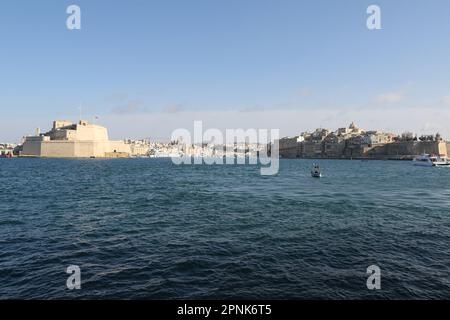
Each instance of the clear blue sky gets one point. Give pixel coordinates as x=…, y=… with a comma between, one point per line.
x=218, y=55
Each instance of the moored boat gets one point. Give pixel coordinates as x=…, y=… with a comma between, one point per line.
x=6, y=155
x=426, y=160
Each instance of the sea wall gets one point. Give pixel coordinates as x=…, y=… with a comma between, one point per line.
x=74, y=149
x=58, y=149
x=406, y=149
x=290, y=148
x=32, y=147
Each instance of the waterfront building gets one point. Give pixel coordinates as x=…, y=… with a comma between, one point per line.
x=139, y=148
x=354, y=130
x=334, y=145
x=319, y=135
x=69, y=140
x=371, y=138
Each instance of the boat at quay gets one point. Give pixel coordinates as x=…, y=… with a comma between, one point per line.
x=426, y=160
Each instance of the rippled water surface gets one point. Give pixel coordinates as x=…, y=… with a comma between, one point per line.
x=148, y=229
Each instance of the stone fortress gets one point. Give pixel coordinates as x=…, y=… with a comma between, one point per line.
x=353, y=142
x=69, y=140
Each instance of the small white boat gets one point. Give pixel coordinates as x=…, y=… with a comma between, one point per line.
x=426, y=160
x=315, y=172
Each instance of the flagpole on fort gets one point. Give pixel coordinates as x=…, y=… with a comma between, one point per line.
x=79, y=109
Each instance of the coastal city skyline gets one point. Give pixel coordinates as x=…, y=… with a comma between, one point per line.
x=82, y=139
x=158, y=72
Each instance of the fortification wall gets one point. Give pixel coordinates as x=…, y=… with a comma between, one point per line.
x=31, y=148
x=118, y=146
x=74, y=149
x=57, y=149
x=87, y=149
x=290, y=148
x=415, y=148
x=396, y=150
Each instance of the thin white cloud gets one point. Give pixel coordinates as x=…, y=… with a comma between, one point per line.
x=116, y=98
x=391, y=97
x=174, y=108
x=290, y=122
x=256, y=108
x=158, y=125
x=133, y=106
x=446, y=100
x=305, y=92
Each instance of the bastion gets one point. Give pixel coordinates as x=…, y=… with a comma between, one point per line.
x=79, y=140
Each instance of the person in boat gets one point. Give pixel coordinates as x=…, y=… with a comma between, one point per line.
x=315, y=172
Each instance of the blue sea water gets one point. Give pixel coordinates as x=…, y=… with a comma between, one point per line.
x=149, y=229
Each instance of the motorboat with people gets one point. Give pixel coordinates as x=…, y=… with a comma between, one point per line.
x=427, y=160
x=315, y=172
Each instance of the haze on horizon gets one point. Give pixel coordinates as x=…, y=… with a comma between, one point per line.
x=147, y=68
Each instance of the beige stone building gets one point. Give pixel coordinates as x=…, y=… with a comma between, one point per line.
x=139, y=148
x=69, y=140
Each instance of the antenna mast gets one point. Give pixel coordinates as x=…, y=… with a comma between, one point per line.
x=79, y=109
